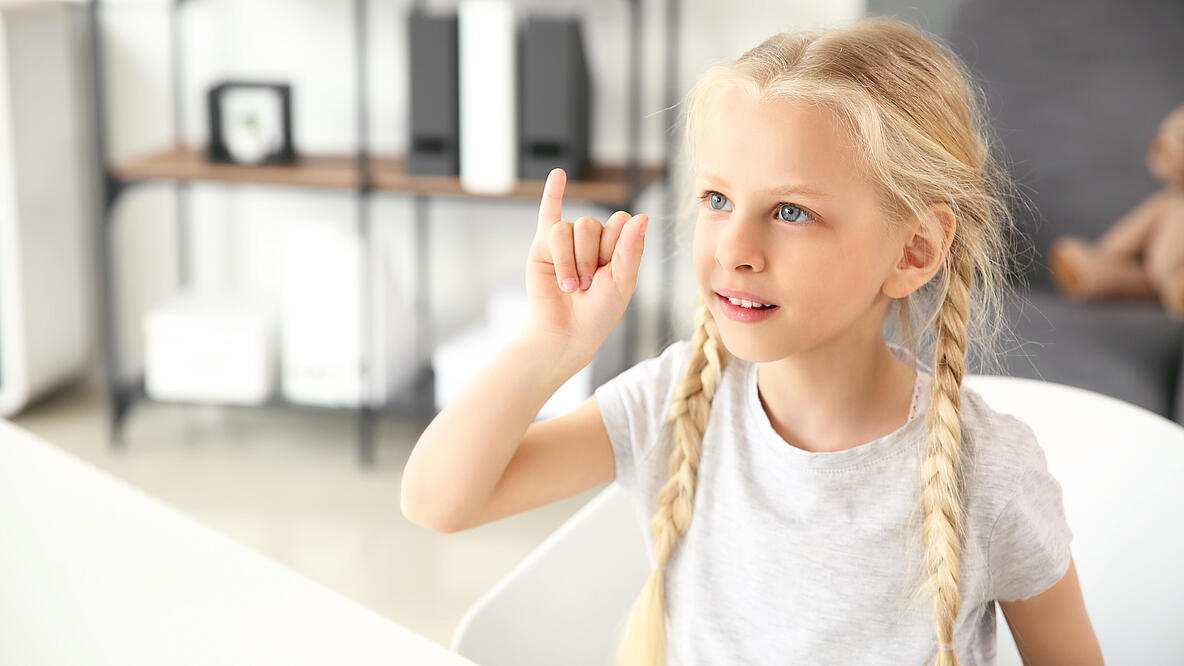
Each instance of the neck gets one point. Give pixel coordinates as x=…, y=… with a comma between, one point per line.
x=838, y=395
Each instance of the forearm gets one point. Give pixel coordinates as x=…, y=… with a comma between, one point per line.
x=459, y=459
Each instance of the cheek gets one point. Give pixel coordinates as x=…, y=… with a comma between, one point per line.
x=837, y=279
x=815, y=288
x=703, y=245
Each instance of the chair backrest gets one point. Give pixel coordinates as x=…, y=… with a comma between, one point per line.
x=1119, y=465
x=566, y=601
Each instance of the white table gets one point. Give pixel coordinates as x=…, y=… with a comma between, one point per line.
x=94, y=571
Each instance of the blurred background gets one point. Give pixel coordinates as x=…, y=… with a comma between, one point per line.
x=250, y=248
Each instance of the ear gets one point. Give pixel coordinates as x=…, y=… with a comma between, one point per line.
x=923, y=249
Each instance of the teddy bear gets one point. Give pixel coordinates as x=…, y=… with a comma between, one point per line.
x=1141, y=256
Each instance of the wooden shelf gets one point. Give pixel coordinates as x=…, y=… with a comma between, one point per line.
x=187, y=163
x=603, y=184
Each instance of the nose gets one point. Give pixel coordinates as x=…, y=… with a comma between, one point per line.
x=741, y=245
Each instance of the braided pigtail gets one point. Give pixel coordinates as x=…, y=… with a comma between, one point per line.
x=941, y=473
x=644, y=642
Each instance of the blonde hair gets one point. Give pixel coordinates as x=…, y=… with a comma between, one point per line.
x=916, y=122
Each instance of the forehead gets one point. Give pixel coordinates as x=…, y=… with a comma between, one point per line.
x=763, y=143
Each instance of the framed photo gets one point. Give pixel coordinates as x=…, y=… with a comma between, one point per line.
x=250, y=123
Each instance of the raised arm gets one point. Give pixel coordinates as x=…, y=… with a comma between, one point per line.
x=459, y=459
x=455, y=468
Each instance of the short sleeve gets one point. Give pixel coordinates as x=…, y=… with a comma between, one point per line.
x=633, y=405
x=1028, y=550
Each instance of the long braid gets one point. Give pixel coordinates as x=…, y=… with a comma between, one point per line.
x=644, y=642
x=941, y=482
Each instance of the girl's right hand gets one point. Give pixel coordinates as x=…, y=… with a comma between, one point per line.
x=609, y=256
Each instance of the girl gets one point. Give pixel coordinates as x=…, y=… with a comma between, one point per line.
x=815, y=494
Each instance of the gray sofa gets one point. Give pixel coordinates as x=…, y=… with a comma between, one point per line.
x=1075, y=91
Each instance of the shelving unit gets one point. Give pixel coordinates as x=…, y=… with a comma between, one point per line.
x=615, y=187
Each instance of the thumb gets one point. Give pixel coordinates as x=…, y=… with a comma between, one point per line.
x=626, y=260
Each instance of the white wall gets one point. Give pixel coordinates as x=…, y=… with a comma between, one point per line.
x=309, y=43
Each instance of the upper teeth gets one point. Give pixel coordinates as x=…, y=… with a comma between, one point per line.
x=747, y=304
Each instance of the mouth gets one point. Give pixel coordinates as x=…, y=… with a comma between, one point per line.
x=745, y=299
x=739, y=313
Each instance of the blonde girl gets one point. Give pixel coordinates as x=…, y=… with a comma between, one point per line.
x=814, y=493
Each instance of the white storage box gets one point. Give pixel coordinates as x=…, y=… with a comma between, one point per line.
x=211, y=347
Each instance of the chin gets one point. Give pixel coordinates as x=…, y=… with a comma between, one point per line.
x=751, y=346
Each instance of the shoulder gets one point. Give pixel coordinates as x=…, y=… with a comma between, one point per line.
x=633, y=404
x=999, y=436
x=998, y=446
x=1005, y=451
x=1022, y=504
x=643, y=388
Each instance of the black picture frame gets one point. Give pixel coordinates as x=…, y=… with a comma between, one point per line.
x=218, y=151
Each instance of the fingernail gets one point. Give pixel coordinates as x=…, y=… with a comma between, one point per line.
x=585, y=282
x=569, y=284
x=644, y=225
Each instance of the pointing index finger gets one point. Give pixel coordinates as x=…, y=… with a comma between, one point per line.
x=551, y=206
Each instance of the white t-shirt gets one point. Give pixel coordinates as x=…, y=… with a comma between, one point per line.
x=800, y=557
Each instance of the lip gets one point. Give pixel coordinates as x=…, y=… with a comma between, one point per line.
x=743, y=314
x=744, y=295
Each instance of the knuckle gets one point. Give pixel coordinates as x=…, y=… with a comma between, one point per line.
x=586, y=223
x=561, y=230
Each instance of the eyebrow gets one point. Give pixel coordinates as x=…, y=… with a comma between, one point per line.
x=784, y=190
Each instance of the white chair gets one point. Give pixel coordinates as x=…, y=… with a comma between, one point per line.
x=566, y=602
x=1120, y=466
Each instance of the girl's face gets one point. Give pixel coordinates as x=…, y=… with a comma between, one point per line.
x=785, y=216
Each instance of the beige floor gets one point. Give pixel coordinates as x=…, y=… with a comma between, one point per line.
x=288, y=484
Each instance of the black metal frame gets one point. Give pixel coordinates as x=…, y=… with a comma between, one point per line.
x=122, y=396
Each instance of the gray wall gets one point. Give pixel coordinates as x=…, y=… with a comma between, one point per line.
x=1075, y=91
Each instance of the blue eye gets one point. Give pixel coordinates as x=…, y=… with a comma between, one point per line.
x=792, y=207
x=716, y=201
